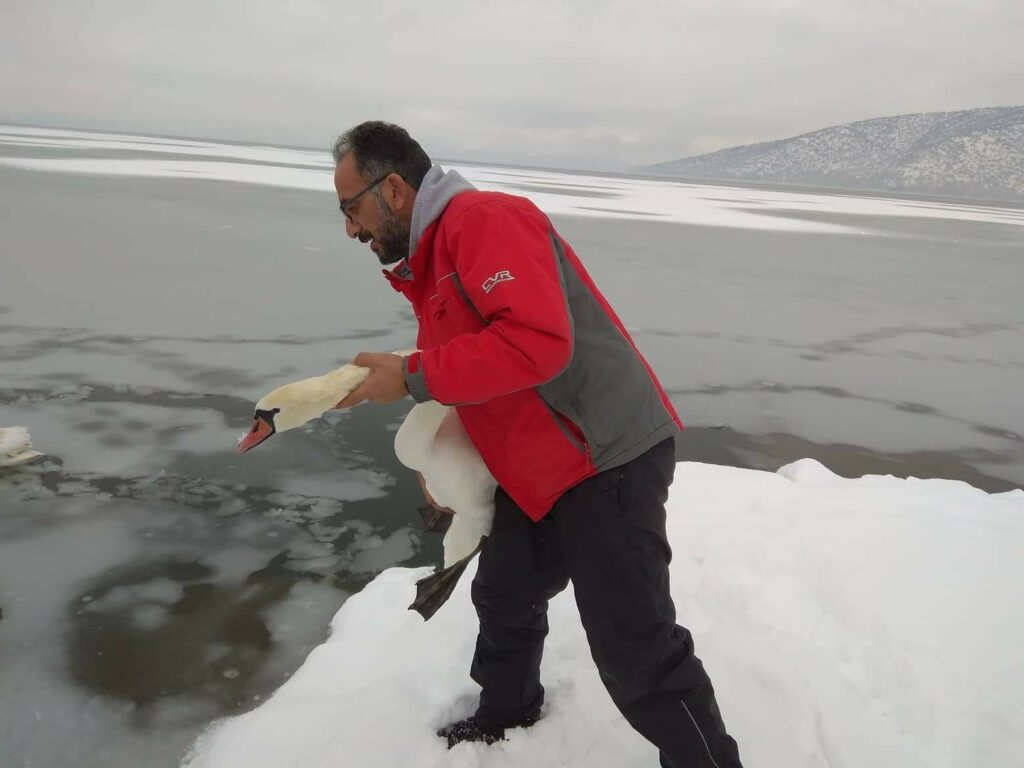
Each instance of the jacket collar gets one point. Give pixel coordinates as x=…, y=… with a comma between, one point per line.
x=436, y=190
x=400, y=276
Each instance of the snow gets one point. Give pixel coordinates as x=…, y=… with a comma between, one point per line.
x=843, y=622
x=555, y=192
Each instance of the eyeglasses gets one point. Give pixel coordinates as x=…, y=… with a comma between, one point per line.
x=346, y=205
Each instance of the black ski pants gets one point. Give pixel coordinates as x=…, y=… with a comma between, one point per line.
x=607, y=536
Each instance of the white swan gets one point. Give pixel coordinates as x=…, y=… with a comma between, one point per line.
x=433, y=442
x=16, y=446
x=430, y=441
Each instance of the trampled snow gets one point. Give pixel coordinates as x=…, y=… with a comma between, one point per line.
x=555, y=192
x=866, y=622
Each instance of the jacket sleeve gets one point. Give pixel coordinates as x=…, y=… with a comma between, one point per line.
x=505, y=258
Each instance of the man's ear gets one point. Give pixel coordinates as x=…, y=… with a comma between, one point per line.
x=398, y=193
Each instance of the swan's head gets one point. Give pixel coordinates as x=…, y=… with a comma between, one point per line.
x=288, y=407
x=263, y=426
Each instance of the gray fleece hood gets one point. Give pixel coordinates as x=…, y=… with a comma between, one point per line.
x=436, y=191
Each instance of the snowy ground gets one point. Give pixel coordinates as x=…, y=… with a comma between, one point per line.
x=866, y=622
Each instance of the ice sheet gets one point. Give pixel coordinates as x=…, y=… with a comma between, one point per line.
x=588, y=195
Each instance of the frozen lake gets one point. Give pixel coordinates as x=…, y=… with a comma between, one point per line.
x=151, y=290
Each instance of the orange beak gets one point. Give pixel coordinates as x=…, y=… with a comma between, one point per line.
x=261, y=430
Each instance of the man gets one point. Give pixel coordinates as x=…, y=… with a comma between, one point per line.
x=571, y=422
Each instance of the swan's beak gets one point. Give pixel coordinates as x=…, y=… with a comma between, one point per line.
x=262, y=428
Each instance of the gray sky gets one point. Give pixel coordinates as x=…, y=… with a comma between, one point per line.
x=572, y=84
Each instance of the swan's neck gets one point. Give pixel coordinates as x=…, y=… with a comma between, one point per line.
x=414, y=443
x=303, y=401
x=309, y=399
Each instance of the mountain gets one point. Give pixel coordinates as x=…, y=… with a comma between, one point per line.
x=977, y=153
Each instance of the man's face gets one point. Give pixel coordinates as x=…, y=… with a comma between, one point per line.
x=370, y=217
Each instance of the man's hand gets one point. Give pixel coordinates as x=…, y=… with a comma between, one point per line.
x=385, y=384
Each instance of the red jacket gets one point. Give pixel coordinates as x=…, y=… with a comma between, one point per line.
x=513, y=332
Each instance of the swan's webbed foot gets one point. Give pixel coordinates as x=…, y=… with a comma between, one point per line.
x=434, y=519
x=434, y=590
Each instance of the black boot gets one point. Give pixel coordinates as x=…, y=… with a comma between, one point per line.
x=478, y=729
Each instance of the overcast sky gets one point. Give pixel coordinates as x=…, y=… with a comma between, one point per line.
x=572, y=84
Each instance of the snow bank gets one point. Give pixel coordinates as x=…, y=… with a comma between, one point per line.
x=870, y=622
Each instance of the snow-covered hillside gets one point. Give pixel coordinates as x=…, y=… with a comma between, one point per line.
x=973, y=153
x=869, y=622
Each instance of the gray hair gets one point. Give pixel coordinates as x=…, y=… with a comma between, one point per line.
x=380, y=148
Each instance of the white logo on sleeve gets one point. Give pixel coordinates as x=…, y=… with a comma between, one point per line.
x=500, y=277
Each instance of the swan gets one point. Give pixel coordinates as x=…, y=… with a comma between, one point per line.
x=430, y=441
x=16, y=446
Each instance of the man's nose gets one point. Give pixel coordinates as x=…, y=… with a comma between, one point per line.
x=351, y=228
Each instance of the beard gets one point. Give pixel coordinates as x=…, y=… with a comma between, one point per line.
x=392, y=237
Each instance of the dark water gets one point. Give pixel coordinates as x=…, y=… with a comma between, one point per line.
x=152, y=580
